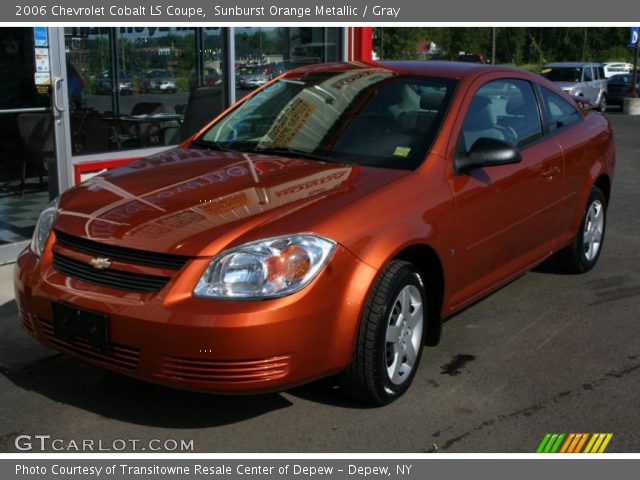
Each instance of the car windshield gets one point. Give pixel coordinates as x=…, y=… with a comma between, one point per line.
x=366, y=117
x=563, y=74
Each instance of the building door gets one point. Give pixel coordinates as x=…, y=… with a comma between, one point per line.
x=31, y=107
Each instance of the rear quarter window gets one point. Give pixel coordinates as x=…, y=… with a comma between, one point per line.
x=560, y=113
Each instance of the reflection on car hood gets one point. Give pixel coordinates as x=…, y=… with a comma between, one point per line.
x=196, y=202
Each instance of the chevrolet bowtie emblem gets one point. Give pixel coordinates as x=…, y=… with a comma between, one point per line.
x=100, y=263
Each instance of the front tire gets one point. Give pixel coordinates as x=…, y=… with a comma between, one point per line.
x=583, y=254
x=390, y=337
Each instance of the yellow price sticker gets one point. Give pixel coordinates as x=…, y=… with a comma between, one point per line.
x=402, y=152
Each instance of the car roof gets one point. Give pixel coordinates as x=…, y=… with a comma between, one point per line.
x=439, y=68
x=573, y=64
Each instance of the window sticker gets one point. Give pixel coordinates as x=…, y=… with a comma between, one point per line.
x=402, y=152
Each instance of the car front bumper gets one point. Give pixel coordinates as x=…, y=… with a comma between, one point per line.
x=173, y=338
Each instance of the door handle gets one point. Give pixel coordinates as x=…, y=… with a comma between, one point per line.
x=56, y=98
x=551, y=172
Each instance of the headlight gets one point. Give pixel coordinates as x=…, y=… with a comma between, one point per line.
x=43, y=227
x=269, y=268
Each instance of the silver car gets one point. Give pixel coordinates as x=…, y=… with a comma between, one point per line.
x=580, y=79
x=252, y=76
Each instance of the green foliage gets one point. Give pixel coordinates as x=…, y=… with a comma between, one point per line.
x=523, y=46
x=530, y=67
x=399, y=42
x=182, y=84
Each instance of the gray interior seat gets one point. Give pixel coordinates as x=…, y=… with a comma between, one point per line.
x=481, y=122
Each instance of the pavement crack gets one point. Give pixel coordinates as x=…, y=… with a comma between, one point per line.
x=537, y=407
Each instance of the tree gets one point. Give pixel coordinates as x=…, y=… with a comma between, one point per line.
x=515, y=45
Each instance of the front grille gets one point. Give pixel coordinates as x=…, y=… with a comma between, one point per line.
x=202, y=370
x=117, y=355
x=118, y=279
x=123, y=254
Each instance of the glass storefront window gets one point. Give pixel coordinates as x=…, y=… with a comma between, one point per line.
x=206, y=95
x=17, y=64
x=139, y=87
x=88, y=52
x=156, y=66
x=144, y=87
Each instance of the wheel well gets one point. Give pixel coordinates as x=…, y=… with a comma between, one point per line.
x=604, y=184
x=428, y=263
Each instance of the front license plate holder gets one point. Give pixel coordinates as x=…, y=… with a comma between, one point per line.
x=70, y=321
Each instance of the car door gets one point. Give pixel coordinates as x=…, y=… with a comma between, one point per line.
x=590, y=85
x=506, y=220
x=562, y=119
x=601, y=87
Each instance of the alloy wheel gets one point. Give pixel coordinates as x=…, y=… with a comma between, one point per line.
x=404, y=334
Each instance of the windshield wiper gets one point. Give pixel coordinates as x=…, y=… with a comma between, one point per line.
x=294, y=152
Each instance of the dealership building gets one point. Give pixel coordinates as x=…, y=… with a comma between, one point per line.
x=75, y=101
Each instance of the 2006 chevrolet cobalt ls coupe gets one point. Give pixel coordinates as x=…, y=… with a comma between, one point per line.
x=325, y=224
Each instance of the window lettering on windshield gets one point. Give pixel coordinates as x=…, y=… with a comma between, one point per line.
x=352, y=78
x=291, y=121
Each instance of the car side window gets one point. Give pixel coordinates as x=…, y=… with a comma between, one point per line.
x=601, y=74
x=560, y=113
x=504, y=109
x=588, y=74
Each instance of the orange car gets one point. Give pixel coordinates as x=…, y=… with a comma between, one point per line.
x=326, y=224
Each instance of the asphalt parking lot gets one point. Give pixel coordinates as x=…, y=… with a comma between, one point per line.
x=547, y=353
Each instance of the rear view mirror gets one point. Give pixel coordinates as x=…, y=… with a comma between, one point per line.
x=486, y=152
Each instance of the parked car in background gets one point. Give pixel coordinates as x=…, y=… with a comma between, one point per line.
x=278, y=68
x=210, y=78
x=158, y=80
x=473, y=58
x=327, y=225
x=580, y=79
x=103, y=83
x=621, y=86
x=252, y=76
x=615, y=68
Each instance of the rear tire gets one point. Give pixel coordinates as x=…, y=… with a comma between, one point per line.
x=389, y=341
x=602, y=106
x=584, y=252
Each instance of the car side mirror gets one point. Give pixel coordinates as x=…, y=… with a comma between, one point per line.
x=486, y=152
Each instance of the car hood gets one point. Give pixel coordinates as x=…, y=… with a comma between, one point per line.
x=196, y=202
